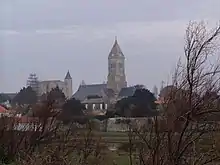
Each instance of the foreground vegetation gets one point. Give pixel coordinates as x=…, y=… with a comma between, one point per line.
x=184, y=133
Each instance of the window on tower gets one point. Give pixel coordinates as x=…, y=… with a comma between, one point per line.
x=113, y=66
x=120, y=65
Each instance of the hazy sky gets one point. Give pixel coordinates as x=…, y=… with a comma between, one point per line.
x=49, y=37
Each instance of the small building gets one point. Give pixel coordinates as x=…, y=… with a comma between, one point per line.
x=126, y=92
x=65, y=86
x=95, y=103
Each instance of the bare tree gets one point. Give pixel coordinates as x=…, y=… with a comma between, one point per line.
x=180, y=135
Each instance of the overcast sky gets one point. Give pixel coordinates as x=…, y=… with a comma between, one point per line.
x=50, y=37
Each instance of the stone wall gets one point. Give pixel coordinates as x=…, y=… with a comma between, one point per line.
x=121, y=124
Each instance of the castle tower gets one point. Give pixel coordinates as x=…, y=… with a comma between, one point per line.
x=116, y=68
x=68, y=85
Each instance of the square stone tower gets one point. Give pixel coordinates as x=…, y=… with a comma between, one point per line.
x=116, y=68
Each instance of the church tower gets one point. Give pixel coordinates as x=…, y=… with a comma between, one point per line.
x=116, y=68
x=68, y=85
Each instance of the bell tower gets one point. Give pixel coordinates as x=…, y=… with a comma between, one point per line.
x=68, y=85
x=116, y=68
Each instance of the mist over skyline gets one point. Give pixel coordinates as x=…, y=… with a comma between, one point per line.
x=50, y=37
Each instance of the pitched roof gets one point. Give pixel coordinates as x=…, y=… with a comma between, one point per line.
x=126, y=92
x=116, y=50
x=89, y=90
x=7, y=96
x=68, y=75
x=93, y=100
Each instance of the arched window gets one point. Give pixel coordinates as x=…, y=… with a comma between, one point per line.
x=120, y=65
x=112, y=66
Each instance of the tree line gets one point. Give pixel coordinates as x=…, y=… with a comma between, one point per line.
x=184, y=134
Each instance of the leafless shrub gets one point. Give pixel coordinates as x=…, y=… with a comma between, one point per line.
x=81, y=148
x=21, y=136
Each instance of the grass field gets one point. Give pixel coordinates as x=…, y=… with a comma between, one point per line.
x=119, y=157
x=122, y=158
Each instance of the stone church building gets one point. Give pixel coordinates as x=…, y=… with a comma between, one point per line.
x=100, y=96
x=65, y=86
x=42, y=87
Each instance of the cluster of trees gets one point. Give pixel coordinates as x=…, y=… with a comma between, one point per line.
x=25, y=96
x=29, y=96
x=141, y=104
x=55, y=94
x=54, y=99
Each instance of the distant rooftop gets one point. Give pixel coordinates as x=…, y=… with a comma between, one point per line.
x=88, y=90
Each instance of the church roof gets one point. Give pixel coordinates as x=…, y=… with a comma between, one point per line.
x=116, y=50
x=68, y=75
x=126, y=92
x=93, y=100
x=96, y=90
x=89, y=90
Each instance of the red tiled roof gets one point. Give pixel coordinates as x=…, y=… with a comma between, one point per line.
x=3, y=110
